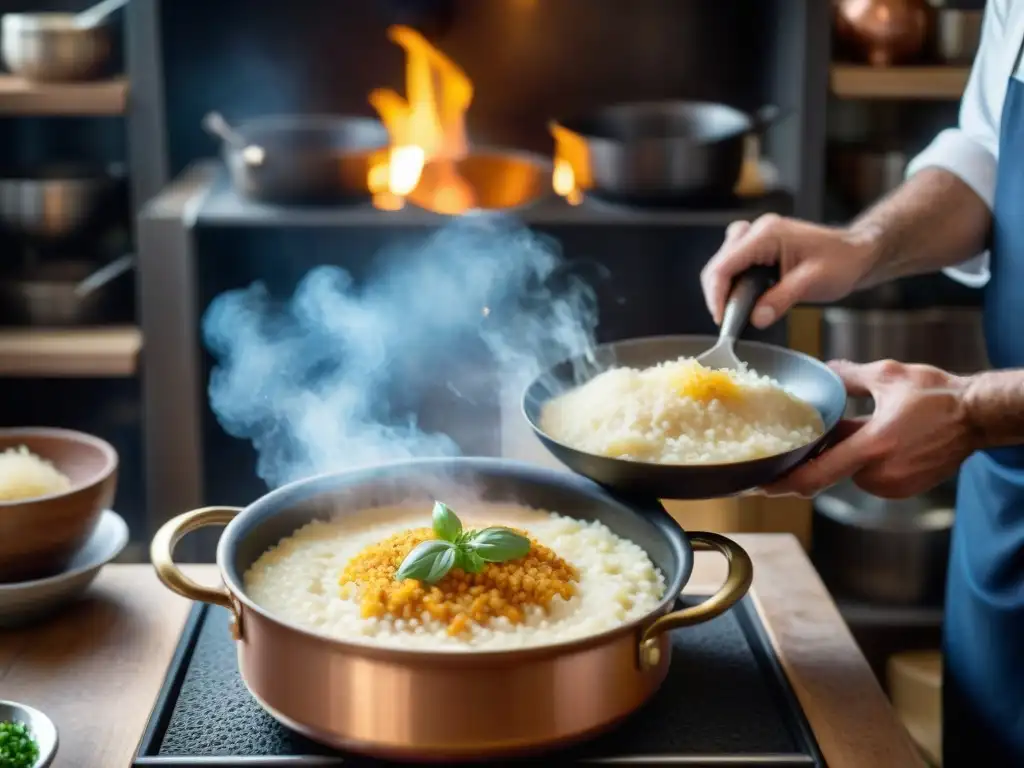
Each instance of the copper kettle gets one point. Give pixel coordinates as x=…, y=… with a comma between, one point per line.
x=882, y=32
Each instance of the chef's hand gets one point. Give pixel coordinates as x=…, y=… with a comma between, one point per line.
x=817, y=263
x=917, y=436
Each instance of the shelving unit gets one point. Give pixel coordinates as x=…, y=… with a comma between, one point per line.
x=70, y=353
x=108, y=352
x=23, y=98
x=938, y=83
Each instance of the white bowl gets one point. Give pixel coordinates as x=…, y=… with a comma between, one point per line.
x=39, y=725
x=28, y=601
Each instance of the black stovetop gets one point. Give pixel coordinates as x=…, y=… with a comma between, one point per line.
x=726, y=702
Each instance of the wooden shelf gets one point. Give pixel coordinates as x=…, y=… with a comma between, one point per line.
x=21, y=97
x=71, y=352
x=854, y=81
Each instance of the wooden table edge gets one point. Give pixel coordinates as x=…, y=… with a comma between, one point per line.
x=848, y=712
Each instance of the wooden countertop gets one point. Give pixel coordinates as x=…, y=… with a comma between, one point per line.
x=96, y=670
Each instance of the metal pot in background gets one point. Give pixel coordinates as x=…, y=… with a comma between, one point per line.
x=54, y=203
x=886, y=551
x=64, y=294
x=865, y=174
x=59, y=47
x=950, y=338
x=660, y=151
x=300, y=159
x=956, y=35
x=49, y=47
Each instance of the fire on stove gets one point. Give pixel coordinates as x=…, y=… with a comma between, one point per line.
x=429, y=161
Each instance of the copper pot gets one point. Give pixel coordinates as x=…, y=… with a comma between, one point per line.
x=444, y=705
x=882, y=32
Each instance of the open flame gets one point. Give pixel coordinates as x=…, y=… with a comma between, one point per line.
x=426, y=131
x=572, y=170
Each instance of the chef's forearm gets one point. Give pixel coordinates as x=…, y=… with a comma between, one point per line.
x=995, y=407
x=933, y=220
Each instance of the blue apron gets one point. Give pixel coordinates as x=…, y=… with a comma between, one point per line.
x=983, y=680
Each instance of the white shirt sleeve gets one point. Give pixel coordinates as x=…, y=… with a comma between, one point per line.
x=971, y=151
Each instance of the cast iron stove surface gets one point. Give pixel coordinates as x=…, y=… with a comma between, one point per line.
x=726, y=702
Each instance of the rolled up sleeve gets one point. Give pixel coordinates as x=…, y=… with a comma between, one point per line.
x=971, y=150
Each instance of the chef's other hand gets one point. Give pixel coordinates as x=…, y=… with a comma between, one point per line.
x=817, y=263
x=917, y=436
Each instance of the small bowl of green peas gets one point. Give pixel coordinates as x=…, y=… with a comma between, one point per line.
x=28, y=738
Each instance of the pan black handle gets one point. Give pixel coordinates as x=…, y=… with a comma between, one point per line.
x=746, y=290
x=766, y=117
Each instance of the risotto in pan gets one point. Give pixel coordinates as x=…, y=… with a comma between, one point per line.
x=680, y=412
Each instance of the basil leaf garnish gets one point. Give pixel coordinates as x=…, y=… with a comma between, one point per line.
x=447, y=525
x=469, y=561
x=496, y=545
x=429, y=562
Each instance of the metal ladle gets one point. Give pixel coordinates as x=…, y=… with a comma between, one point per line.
x=252, y=154
x=748, y=288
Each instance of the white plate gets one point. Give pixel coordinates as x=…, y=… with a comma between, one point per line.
x=27, y=601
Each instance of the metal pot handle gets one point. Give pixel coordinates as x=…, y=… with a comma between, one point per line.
x=161, y=552
x=104, y=275
x=251, y=154
x=737, y=582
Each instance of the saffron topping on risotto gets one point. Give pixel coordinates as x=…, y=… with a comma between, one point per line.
x=681, y=412
x=337, y=578
x=500, y=589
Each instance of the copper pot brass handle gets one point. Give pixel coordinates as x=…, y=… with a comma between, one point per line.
x=161, y=552
x=737, y=582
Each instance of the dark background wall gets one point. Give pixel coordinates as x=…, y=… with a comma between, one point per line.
x=529, y=60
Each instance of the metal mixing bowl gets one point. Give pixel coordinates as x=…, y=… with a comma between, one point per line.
x=51, y=47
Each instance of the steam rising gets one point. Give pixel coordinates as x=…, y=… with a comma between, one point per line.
x=328, y=381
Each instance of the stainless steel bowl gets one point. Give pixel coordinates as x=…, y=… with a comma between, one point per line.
x=53, y=204
x=52, y=47
x=39, y=725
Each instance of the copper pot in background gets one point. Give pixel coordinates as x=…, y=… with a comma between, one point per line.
x=882, y=32
x=384, y=701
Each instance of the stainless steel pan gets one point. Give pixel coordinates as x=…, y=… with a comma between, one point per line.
x=660, y=151
x=64, y=294
x=300, y=159
x=801, y=375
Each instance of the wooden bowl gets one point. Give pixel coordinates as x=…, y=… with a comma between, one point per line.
x=38, y=537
